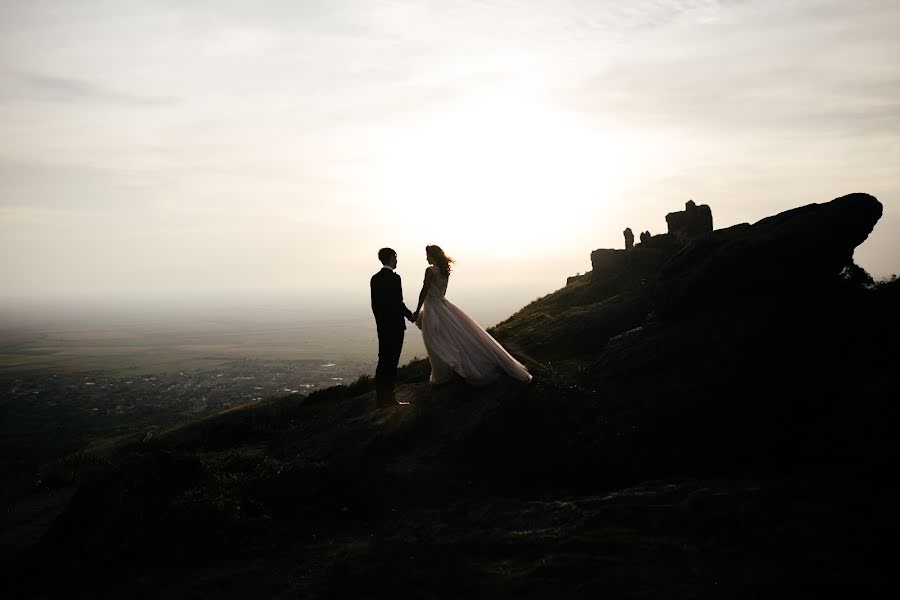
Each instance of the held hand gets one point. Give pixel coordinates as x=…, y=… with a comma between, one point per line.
x=415, y=317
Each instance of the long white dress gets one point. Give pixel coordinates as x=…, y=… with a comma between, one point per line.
x=457, y=344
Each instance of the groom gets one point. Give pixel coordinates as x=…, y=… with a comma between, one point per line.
x=389, y=310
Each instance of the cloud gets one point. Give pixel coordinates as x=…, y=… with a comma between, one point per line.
x=31, y=86
x=803, y=67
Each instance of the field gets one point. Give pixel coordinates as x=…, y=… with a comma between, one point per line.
x=147, y=346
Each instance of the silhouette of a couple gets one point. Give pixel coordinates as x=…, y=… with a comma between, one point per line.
x=456, y=345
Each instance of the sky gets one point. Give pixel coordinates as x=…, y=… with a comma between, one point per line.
x=212, y=150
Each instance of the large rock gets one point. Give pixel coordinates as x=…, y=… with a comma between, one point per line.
x=617, y=268
x=605, y=261
x=692, y=221
x=795, y=252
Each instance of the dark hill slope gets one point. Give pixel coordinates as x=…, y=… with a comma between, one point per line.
x=709, y=418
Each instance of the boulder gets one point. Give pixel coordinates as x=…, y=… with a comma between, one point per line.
x=692, y=221
x=606, y=262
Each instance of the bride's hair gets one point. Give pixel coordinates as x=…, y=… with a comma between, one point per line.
x=440, y=259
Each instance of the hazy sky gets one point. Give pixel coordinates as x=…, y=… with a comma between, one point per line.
x=171, y=148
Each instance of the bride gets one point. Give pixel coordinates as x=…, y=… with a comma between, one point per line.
x=454, y=342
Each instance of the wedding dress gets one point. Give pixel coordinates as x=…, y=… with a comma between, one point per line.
x=457, y=344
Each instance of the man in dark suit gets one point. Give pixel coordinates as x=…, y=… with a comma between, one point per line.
x=389, y=310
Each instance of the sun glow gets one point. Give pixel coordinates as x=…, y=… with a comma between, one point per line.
x=500, y=176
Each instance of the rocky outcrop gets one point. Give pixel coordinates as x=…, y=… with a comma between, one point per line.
x=794, y=249
x=606, y=261
x=794, y=252
x=692, y=221
x=641, y=261
x=612, y=265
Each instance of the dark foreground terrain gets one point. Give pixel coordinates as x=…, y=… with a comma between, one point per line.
x=712, y=415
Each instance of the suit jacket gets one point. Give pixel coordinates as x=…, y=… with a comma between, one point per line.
x=387, y=302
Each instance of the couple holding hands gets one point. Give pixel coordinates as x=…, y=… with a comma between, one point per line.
x=456, y=345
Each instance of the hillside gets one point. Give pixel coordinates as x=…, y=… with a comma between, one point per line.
x=712, y=414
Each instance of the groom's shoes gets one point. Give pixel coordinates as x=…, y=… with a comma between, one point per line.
x=385, y=397
x=392, y=402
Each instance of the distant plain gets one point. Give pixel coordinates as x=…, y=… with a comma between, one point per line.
x=159, y=345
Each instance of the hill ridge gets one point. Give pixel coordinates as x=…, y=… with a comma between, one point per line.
x=710, y=415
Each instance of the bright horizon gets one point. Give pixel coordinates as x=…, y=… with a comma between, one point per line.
x=233, y=150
